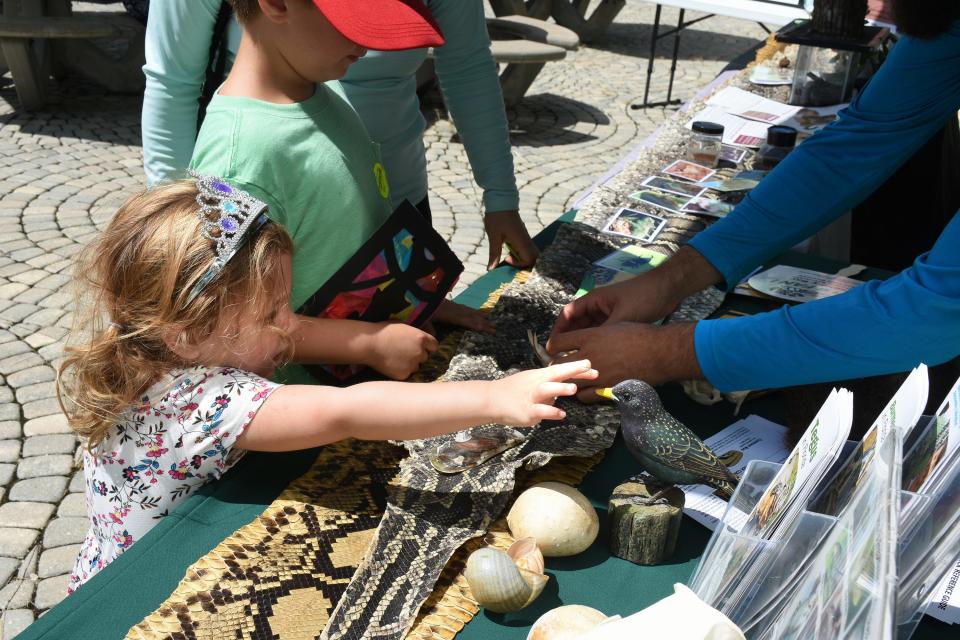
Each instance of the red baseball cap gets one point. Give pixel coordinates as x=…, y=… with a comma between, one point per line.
x=383, y=25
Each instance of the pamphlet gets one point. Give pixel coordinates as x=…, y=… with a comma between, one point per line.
x=737, y=131
x=757, y=439
x=752, y=106
x=623, y=264
x=897, y=418
x=814, y=454
x=800, y=285
x=924, y=462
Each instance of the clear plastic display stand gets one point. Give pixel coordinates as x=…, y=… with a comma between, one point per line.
x=929, y=544
x=745, y=576
x=731, y=557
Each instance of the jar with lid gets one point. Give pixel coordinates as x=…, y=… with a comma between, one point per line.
x=780, y=142
x=705, y=141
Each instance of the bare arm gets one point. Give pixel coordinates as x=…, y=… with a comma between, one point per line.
x=394, y=349
x=300, y=417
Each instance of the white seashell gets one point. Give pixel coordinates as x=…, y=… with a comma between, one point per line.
x=541, y=353
x=504, y=582
x=526, y=555
x=557, y=516
x=565, y=623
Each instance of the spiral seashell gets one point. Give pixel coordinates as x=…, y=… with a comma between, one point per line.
x=503, y=582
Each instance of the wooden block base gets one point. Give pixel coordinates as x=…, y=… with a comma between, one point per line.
x=639, y=532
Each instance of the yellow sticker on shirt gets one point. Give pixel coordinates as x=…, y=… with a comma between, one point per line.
x=381, y=174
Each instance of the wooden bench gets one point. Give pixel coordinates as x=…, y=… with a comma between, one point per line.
x=571, y=14
x=525, y=45
x=38, y=40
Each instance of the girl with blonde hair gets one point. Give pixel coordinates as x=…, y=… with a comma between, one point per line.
x=186, y=315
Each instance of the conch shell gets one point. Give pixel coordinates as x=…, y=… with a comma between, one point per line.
x=504, y=582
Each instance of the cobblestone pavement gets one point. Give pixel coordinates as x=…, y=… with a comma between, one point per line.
x=64, y=171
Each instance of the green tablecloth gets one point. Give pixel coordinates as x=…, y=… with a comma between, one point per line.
x=135, y=584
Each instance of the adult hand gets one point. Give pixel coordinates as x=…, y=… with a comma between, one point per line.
x=629, y=301
x=507, y=227
x=646, y=298
x=628, y=350
x=397, y=350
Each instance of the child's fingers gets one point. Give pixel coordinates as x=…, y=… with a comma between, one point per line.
x=589, y=374
x=548, y=412
x=550, y=390
x=430, y=343
x=568, y=370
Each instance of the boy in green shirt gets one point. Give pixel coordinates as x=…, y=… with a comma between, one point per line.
x=275, y=130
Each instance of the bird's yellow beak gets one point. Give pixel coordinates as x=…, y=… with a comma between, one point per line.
x=607, y=393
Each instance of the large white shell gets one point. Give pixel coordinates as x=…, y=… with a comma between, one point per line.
x=557, y=516
x=565, y=623
x=509, y=581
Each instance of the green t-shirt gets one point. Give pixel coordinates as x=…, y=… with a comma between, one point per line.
x=314, y=165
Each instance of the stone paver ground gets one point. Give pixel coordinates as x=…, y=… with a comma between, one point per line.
x=64, y=171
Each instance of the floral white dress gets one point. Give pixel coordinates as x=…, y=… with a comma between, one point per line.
x=178, y=438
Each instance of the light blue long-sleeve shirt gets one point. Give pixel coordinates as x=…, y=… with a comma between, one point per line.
x=879, y=327
x=381, y=87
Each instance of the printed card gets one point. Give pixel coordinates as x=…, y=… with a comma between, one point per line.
x=708, y=207
x=679, y=187
x=661, y=199
x=637, y=225
x=732, y=154
x=686, y=170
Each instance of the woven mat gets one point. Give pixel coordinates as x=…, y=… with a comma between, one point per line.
x=283, y=574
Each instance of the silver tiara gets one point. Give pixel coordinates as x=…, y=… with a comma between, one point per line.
x=227, y=217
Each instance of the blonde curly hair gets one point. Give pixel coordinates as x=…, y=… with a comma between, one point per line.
x=132, y=287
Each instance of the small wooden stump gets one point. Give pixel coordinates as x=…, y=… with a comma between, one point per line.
x=642, y=533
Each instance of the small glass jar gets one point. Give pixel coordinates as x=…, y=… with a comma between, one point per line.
x=780, y=141
x=705, y=141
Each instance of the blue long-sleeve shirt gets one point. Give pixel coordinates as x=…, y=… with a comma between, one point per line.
x=380, y=86
x=879, y=327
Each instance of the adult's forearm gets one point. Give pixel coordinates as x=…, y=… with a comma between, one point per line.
x=685, y=273
x=906, y=102
x=876, y=328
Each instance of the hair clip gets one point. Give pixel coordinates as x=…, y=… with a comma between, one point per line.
x=227, y=216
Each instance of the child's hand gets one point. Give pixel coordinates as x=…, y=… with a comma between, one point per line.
x=461, y=315
x=397, y=350
x=526, y=398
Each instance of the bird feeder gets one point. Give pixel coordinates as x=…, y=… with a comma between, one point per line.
x=827, y=64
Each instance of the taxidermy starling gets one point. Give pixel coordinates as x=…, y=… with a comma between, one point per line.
x=668, y=450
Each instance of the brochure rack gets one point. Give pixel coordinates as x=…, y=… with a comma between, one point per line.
x=929, y=545
x=730, y=553
x=780, y=587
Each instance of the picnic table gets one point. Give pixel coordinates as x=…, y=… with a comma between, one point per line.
x=137, y=582
x=40, y=38
x=571, y=14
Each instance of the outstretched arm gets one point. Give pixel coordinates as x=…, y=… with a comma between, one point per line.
x=300, y=417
